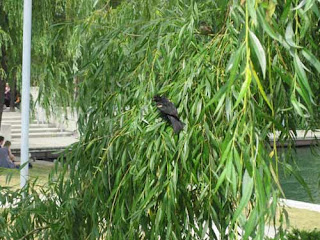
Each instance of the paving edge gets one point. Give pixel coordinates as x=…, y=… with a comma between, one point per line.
x=300, y=205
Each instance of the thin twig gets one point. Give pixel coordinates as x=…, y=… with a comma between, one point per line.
x=33, y=231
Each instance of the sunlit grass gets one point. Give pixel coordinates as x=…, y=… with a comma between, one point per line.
x=303, y=219
x=40, y=171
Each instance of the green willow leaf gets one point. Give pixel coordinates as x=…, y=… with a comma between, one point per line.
x=260, y=53
x=247, y=188
x=244, y=89
x=225, y=154
x=270, y=31
x=316, y=10
x=311, y=58
x=300, y=5
x=286, y=11
x=252, y=11
x=290, y=35
x=299, y=67
x=260, y=87
x=266, y=26
x=297, y=106
x=251, y=223
x=220, y=180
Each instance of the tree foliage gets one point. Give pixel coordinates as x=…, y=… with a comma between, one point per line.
x=11, y=14
x=10, y=30
x=130, y=176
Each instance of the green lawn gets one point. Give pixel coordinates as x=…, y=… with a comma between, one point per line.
x=303, y=219
x=40, y=170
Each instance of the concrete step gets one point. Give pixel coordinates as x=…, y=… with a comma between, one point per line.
x=18, y=122
x=33, y=125
x=6, y=113
x=11, y=118
x=13, y=121
x=44, y=135
x=37, y=130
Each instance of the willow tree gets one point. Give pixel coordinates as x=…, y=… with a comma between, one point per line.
x=10, y=39
x=11, y=42
x=252, y=73
x=45, y=14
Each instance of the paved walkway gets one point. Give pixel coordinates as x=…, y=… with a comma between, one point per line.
x=47, y=143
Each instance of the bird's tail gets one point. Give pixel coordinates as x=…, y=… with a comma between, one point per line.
x=176, y=124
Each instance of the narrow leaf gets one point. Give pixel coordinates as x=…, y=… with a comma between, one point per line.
x=299, y=67
x=247, y=187
x=290, y=36
x=244, y=89
x=301, y=4
x=286, y=11
x=260, y=87
x=309, y=5
x=312, y=59
x=252, y=11
x=259, y=52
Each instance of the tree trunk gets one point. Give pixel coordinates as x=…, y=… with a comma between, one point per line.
x=2, y=81
x=3, y=62
x=2, y=89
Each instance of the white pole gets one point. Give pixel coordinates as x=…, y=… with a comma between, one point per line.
x=26, y=65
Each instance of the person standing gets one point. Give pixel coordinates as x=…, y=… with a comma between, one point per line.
x=7, y=89
x=7, y=95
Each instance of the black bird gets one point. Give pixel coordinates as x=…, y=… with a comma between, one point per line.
x=169, y=111
x=205, y=29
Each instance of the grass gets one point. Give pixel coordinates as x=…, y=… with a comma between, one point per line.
x=40, y=170
x=303, y=219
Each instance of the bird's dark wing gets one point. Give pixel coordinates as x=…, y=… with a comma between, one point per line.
x=169, y=112
x=167, y=107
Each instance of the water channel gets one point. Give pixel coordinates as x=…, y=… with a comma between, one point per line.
x=308, y=166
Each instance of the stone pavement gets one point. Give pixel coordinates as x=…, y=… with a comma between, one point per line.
x=47, y=142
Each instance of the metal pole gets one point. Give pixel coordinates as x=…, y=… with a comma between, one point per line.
x=26, y=65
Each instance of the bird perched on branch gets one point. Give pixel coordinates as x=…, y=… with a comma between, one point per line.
x=169, y=111
x=205, y=29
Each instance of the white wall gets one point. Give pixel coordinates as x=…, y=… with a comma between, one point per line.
x=5, y=131
x=66, y=121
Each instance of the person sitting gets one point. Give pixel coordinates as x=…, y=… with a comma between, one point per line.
x=7, y=145
x=12, y=158
x=5, y=161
